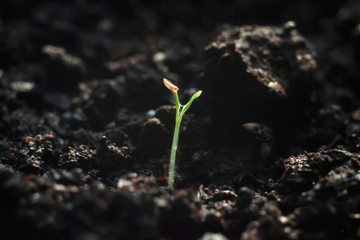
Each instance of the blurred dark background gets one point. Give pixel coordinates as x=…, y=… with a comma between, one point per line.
x=25, y=25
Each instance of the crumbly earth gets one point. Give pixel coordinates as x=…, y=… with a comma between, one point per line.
x=271, y=149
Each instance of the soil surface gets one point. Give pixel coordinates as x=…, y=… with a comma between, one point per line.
x=270, y=150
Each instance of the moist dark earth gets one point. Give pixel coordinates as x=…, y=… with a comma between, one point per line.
x=271, y=149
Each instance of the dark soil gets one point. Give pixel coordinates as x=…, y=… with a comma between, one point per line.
x=271, y=149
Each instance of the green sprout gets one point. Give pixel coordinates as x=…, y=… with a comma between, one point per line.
x=180, y=111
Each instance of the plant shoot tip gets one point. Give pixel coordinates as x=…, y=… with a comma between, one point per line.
x=172, y=87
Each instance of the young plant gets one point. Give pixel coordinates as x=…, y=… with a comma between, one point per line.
x=180, y=111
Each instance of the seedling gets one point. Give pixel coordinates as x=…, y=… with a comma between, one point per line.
x=180, y=111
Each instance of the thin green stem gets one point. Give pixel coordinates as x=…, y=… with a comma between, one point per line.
x=174, y=142
x=173, y=152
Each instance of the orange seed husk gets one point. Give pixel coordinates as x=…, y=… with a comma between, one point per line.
x=173, y=88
